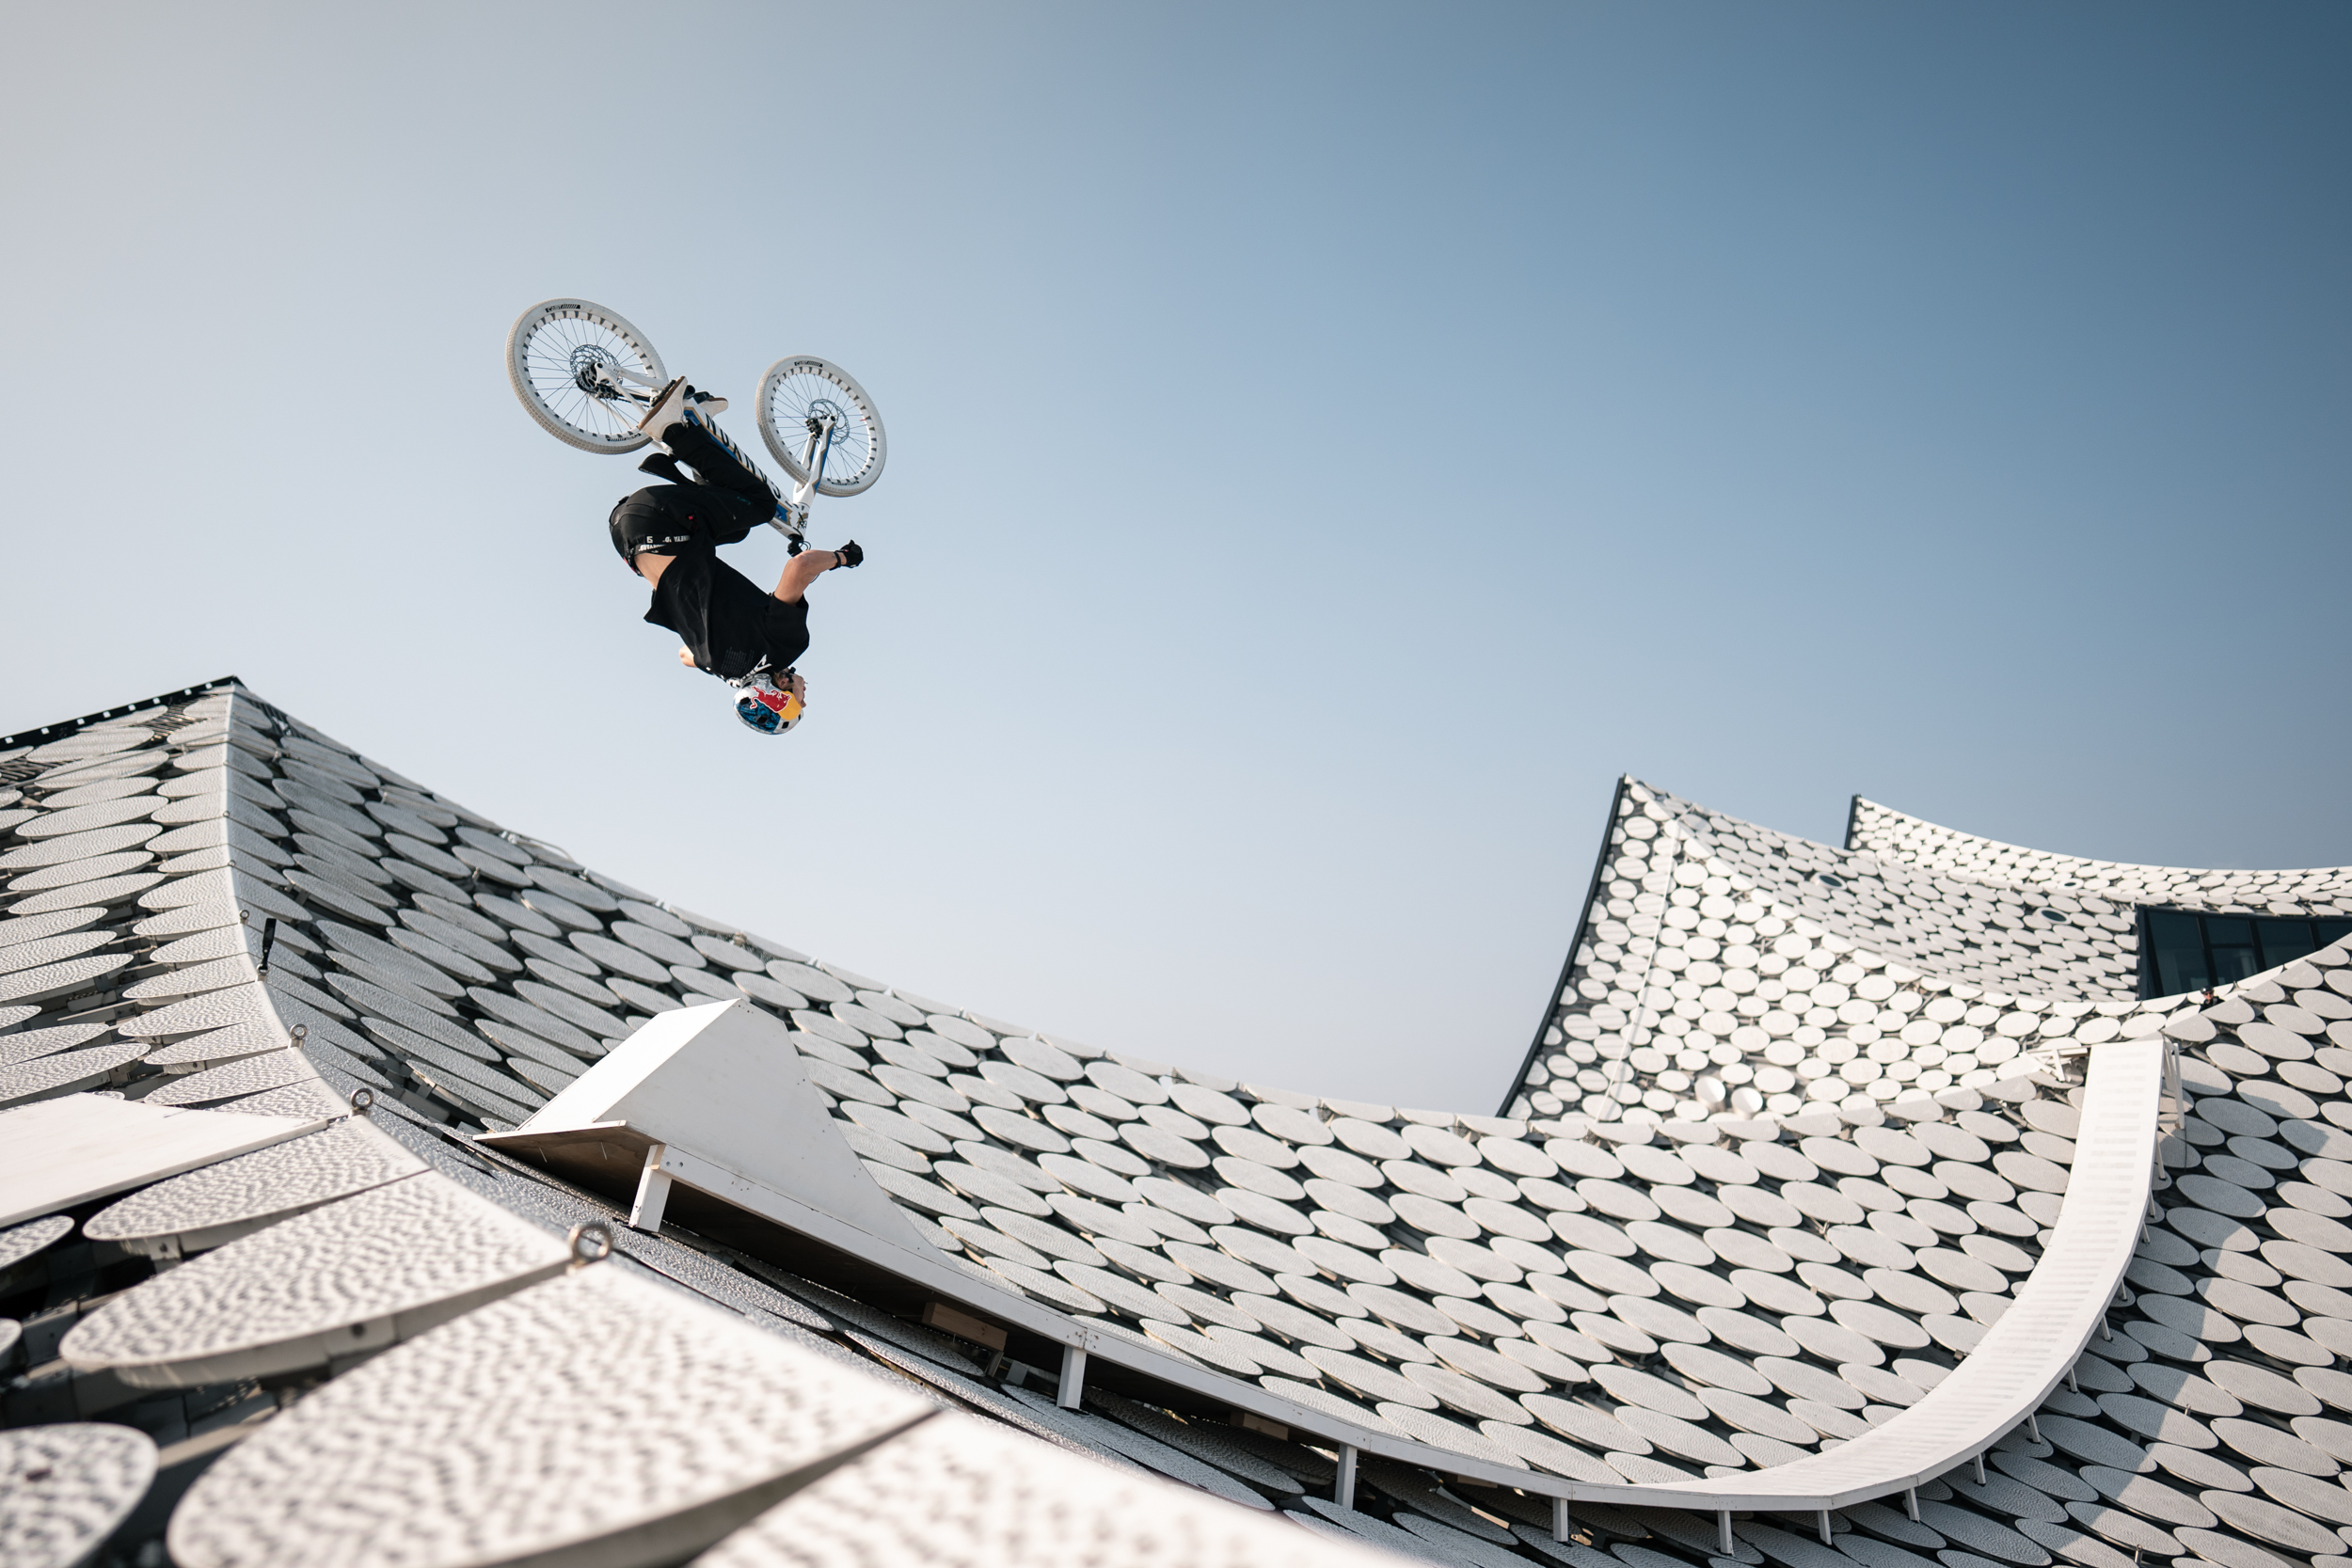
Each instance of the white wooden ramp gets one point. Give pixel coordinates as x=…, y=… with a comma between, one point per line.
x=2021, y=1358
x=656, y=1109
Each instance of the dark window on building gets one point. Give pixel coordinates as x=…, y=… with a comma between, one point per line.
x=2183, y=951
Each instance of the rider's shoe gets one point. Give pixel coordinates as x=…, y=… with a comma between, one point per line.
x=667, y=409
x=662, y=466
x=678, y=402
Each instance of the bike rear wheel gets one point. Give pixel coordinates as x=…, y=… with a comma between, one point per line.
x=794, y=396
x=579, y=371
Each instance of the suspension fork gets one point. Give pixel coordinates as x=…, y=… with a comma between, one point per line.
x=812, y=455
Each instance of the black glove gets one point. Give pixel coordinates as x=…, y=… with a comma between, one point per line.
x=851, y=555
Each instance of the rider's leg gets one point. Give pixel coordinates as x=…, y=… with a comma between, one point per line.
x=689, y=440
x=662, y=466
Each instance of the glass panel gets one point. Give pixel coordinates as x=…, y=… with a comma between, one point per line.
x=2283, y=941
x=2233, y=963
x=2325, y=932
x=2180, y=953
x=2230, y=940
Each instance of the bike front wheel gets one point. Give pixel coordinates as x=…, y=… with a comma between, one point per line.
x=798, y=396
x=584, y=373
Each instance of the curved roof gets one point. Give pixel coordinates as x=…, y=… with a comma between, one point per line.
x=1889, y=834
x=1806, y=1126
x=1719, y=944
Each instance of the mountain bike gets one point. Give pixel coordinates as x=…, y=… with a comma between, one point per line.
x=588, y=376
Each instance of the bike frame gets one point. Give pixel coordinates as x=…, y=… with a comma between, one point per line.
x=613, y=375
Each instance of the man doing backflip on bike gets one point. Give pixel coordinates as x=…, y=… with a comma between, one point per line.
x=670, y=534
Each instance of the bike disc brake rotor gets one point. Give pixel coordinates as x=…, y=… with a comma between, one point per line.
x=588, y=361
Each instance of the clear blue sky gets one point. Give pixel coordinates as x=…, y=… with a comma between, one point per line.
x=1330, y=442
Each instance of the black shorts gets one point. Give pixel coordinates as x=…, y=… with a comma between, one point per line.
x=667, y=518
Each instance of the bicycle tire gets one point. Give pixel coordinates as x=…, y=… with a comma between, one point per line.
x=549, y=350
x=792, y=389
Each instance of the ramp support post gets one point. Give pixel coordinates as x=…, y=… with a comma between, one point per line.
x=653, y=1193
x=1073, y=1377
x=1911, y=1503
x=1824, y=1522
x=1343, y=1487
x=1979, y=1463
x=1560, y=1519
x=1722, y=1530
x=2033, y=1429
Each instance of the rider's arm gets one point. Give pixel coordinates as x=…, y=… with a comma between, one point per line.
x=803, y=570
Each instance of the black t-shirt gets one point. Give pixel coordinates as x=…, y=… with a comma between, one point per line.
x=729, y=625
